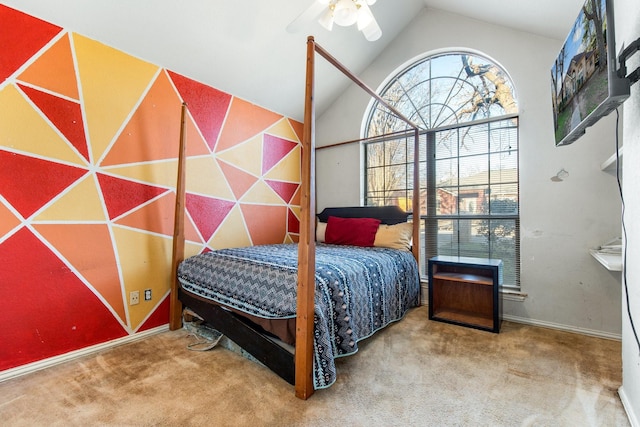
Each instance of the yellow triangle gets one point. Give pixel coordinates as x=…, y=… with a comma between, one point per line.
x=162, y=173
x=232, y=233
x=263, y=194
x=145, y=263
x=81, y=203
x=284, y=130
x=24, y=129
x=204, y=176
x=112, y=84
x=246, y=156
x=191, y=249
x=288, y=169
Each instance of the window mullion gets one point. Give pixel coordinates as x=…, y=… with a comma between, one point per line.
x=431, y=226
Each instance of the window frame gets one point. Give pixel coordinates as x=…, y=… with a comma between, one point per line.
x=430, y=217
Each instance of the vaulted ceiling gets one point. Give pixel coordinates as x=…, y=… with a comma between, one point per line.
x=244, y=48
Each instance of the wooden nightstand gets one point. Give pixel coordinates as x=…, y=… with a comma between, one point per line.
x=465, y=291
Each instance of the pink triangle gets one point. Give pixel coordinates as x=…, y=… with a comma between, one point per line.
x=207, y=213
x=29, y=183
x=208, y=106
x=285, y=190
x=121, y=195
x=65, y=115
x=274, y=149
x=64, y=315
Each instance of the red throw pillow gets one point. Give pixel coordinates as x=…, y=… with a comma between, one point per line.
x=351, y=231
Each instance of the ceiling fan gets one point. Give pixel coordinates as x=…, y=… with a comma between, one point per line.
x=341, y=12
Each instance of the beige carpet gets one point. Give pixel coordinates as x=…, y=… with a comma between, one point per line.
x=415, y=373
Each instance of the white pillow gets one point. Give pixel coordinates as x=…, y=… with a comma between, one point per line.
x=321, y=229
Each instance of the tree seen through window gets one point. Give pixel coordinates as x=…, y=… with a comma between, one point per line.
x=466, y=108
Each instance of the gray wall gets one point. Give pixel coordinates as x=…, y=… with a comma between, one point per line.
x=628, y=30
x=560, y=221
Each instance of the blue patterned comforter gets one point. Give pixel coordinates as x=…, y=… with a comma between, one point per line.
x=358, y=291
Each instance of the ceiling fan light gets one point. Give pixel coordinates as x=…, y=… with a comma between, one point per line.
x=372, y=32
x=345, y=13
x=326, y=20
x=365, y=17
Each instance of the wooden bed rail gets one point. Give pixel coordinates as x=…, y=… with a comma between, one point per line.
x=333, y=61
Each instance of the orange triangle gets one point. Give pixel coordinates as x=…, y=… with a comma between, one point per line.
x=266, y=224
x=244, y=120
x=158, y=217
x=191, y=233
x=239, y=180
x=295, y=200
x=8, y=221
x=153, y=133
x=54, y=70
x=92, y=255
x=298, y=128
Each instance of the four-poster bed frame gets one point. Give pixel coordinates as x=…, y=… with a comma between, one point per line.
x=296, y=368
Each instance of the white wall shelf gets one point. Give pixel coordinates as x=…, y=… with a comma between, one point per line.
x=609, y=165
x=610, y=261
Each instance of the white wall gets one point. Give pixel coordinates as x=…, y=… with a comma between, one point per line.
x=560, y=221
x=627, y=30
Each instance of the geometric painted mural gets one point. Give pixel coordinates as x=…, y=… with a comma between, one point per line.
x=88, y=163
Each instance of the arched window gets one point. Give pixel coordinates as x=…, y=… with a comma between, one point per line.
x=466, y=107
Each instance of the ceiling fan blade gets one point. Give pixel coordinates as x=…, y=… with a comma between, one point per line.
x=311, y=13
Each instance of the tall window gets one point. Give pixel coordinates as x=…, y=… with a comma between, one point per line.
x=466, y=108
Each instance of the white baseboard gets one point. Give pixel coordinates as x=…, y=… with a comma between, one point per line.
x=533, y=322
x=56, y=360
x=567, y=328
x=628, y=408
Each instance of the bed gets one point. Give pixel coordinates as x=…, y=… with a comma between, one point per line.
x=296, y=300
x=359, y=290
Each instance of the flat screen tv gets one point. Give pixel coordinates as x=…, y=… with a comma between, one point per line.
x=584, y=83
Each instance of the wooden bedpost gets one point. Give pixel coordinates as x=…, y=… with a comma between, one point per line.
x=307, y=244
x=416, y=163
x=175, y=306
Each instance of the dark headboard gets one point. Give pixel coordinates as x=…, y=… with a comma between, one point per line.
x=387, y=214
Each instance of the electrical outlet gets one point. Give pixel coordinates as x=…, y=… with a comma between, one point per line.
x=147, y=294
x=134, y=297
